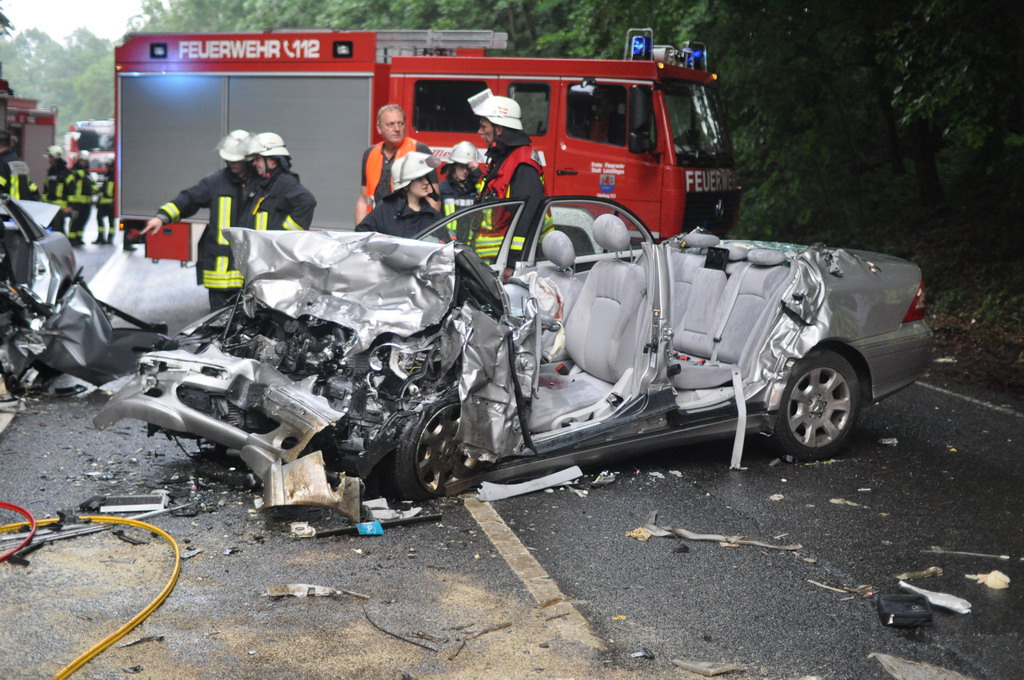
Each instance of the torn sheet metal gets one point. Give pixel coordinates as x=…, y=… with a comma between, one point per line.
x=904, y=669
x=496, y=492
x=370, y=283
x=944, y=600
x=304, y=482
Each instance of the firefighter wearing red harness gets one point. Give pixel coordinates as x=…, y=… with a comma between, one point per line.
x=377, y=160
x=514, y=170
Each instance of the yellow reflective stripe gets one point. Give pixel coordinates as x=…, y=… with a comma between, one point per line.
x=261, y=220
x=291, y=225
x=172, y=211
x=221, y=277
x=223, y=218
x=518, y=242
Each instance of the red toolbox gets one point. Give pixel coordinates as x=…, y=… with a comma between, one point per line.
x=173, y=242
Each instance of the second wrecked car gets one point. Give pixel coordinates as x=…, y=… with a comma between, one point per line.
x=357, y=356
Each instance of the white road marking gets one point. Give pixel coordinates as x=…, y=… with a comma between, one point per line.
x=537, y=581
x=978, y=402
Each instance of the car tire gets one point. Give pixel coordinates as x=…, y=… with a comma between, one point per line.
x=819, y=406
x=429, y=457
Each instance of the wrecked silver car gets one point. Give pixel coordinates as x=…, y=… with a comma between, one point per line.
x=49, y=321
x=353, y=356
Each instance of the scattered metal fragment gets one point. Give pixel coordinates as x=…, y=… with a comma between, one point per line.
x=937, y=549
x=996, y=580
x=190, y=553
x=643, y=653
x=303, y=530
x=843, y=501
x=232, y=551
x=656, y=530
x=495, y=492
x=396, y=635
x=888, y=441
x=863, y=590
x=379, y=510
x=930, y=572
x=903, y=669
x=944, y=600
x=489, y=629
x=434, y=517
x=132, y=670
x=158, y=500
x=147, y=638
x=605, y=478
x=121, y=536
x=706, y=668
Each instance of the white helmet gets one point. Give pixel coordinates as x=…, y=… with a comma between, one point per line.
x=465, y=153
x=54, y=151
x=270, y=144
x=499, y=110
x=235, y=146
x=411, y=166
x=83, y=155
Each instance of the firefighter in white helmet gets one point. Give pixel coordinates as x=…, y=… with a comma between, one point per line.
x=459, y=188
x=53, y=190
x=224, y=193
x=406, y=211
x=514, y=170
x=276, y=199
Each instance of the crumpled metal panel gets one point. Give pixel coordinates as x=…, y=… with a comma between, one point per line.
x=367, y=282
x=489, y=427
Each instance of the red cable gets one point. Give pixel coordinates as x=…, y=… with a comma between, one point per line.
x=32, y=523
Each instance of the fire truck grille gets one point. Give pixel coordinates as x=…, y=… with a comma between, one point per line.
x=712, y=210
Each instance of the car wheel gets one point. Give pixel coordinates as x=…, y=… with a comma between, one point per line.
x=429, y=457
x=819, y=406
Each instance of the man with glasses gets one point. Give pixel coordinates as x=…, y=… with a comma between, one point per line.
x=378, y=159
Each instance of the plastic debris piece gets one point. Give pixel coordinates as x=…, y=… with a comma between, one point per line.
x=946, y=360
x=379, y=510
x=303, y=530
x=776, y=497
x=373, y=528
x=708, y=669
x=582, y=493
x=157, y=500
x=640, y=533
x=944, y=600
x=930, y=572
x=677, y=473
x=996, y=580
x=307, y=590
x=495, y=492
x=656, y=475
x=232, y=551
x=620, y=617
x=843, y=501
x=888, y=441
x=190, y=553
x=903, y=669
x=643, y=653
x=605, y=478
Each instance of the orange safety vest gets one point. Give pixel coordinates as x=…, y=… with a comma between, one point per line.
x=375, y=163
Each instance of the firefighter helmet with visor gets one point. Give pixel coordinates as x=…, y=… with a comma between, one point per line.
x=411, y=166
x=465, y=153
x=270, y=144
x=499, y=110
x=235, y=146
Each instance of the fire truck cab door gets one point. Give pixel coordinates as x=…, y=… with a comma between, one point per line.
x=593, y=156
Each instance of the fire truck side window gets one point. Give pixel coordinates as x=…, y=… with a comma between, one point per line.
x=442, y=106
x=534, y=98
x=597, y=113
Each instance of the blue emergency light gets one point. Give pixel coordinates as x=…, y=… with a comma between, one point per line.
x=641, y=47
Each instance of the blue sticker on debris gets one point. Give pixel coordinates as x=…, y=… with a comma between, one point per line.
x=373, y=528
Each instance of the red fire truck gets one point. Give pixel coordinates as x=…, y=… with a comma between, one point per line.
x=31, y=128
x=647, y=130
x=94, y=136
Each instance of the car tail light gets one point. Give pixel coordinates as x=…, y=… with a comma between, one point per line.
x=916, y=311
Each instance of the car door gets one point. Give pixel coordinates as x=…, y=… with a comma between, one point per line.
x=470, y=224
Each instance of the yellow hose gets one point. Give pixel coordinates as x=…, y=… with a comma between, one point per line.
x=106, y=642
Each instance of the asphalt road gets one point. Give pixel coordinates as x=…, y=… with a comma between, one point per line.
x=935, y=465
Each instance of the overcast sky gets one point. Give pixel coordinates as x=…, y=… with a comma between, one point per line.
x=59, y=18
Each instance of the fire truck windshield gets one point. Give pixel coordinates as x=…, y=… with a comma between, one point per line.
x=91, y=140
x=697, y=124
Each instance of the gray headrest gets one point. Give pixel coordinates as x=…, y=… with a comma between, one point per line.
x=699, y=239
x=737, y=252
x=610, y=233
x=557, y=247
x=766, y=258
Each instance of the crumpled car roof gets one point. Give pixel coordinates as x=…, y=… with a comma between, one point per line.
x=370, y=283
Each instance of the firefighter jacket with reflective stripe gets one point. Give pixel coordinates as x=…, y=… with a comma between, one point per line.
x=78, y=187
x=375, y=165
x=53, y=190
x=278, y=201
x=510, y=153
x=106, y=192
x=14, y=179
x=223, y=193
x=456, y=195
x=394, y=216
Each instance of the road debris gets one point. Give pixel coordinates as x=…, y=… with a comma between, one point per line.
x=147, y=638
x=640, y=533
x=121, y=536
x=643, y=653
x=343, y=531
x=605, y=478
x=843, y=501
x=776, y=497
x=190, y=553
x=396, y=635
x=302, y=530
x=157, y=500
x=656, y=530
x=373, y=528
x=706, y=668
x=938, y=549
x=888, y=441
x=996, y=580
x=378, y=509
x=863, y=590
x=930, y=572
x=943, y=600
x=307, y=590
x=904, y=611
x=489, y=629
x=903, y=669
x=495, y=492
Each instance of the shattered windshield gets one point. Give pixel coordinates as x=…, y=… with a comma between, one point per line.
x=698, y=124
